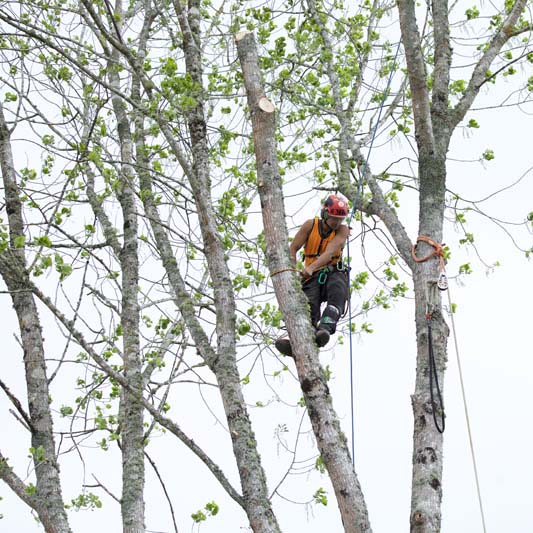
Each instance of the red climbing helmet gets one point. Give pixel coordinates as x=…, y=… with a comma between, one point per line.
x=335, y=206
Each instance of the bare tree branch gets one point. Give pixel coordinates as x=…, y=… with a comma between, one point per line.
x=417, y=75
x=108, y=369
x=442, y=61
x=479, y=75
x=15, y=401
x=22, y=490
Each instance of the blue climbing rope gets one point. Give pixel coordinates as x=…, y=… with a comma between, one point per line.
x=352, y=213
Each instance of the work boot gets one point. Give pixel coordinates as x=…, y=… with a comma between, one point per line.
x=321, y=337
x=329, y=319
x=284, y=346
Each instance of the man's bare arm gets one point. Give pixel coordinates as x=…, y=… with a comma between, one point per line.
x=324, y=259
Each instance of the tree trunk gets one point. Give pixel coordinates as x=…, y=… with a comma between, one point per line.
x=49, y=500
x=426, y=490
x=253, y=480
x=435, y=122
x=131, y=409
x=292, y=301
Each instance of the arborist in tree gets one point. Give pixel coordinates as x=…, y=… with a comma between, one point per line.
x=325, y=276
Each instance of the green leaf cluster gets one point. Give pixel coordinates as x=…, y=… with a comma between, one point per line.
x=211, y=509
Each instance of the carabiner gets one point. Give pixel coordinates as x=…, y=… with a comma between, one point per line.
x=322, y=276
x=442, y=282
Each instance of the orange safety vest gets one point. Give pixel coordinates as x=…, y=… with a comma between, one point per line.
x=317, y=245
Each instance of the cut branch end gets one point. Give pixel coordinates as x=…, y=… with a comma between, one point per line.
x=241, y=35
x=266, y=105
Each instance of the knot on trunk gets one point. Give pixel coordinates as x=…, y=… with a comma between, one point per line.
x=308, y=384
x=426, y=456
x=435, y=483
x=417, y=520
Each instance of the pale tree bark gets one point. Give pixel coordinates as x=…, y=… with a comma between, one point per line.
x=47, y=500
x=425, y=458
x=222, y=361
x=131, y=410
x=254, y=487
x=435, y=122
x=426, y=491
x=330, y=439
x=182, y=300
x=10, y=262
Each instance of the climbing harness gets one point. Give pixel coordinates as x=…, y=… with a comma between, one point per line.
x=317, y=242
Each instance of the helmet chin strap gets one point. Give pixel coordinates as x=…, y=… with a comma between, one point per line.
x=328, y=229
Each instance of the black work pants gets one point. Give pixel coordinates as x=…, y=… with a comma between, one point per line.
x=334, y=292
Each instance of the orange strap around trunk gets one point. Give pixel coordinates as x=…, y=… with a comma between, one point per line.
x=438, y=251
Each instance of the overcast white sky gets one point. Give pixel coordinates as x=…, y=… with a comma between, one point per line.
x=494, y=334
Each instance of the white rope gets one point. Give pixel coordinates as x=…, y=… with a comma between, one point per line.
x=450, y=311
